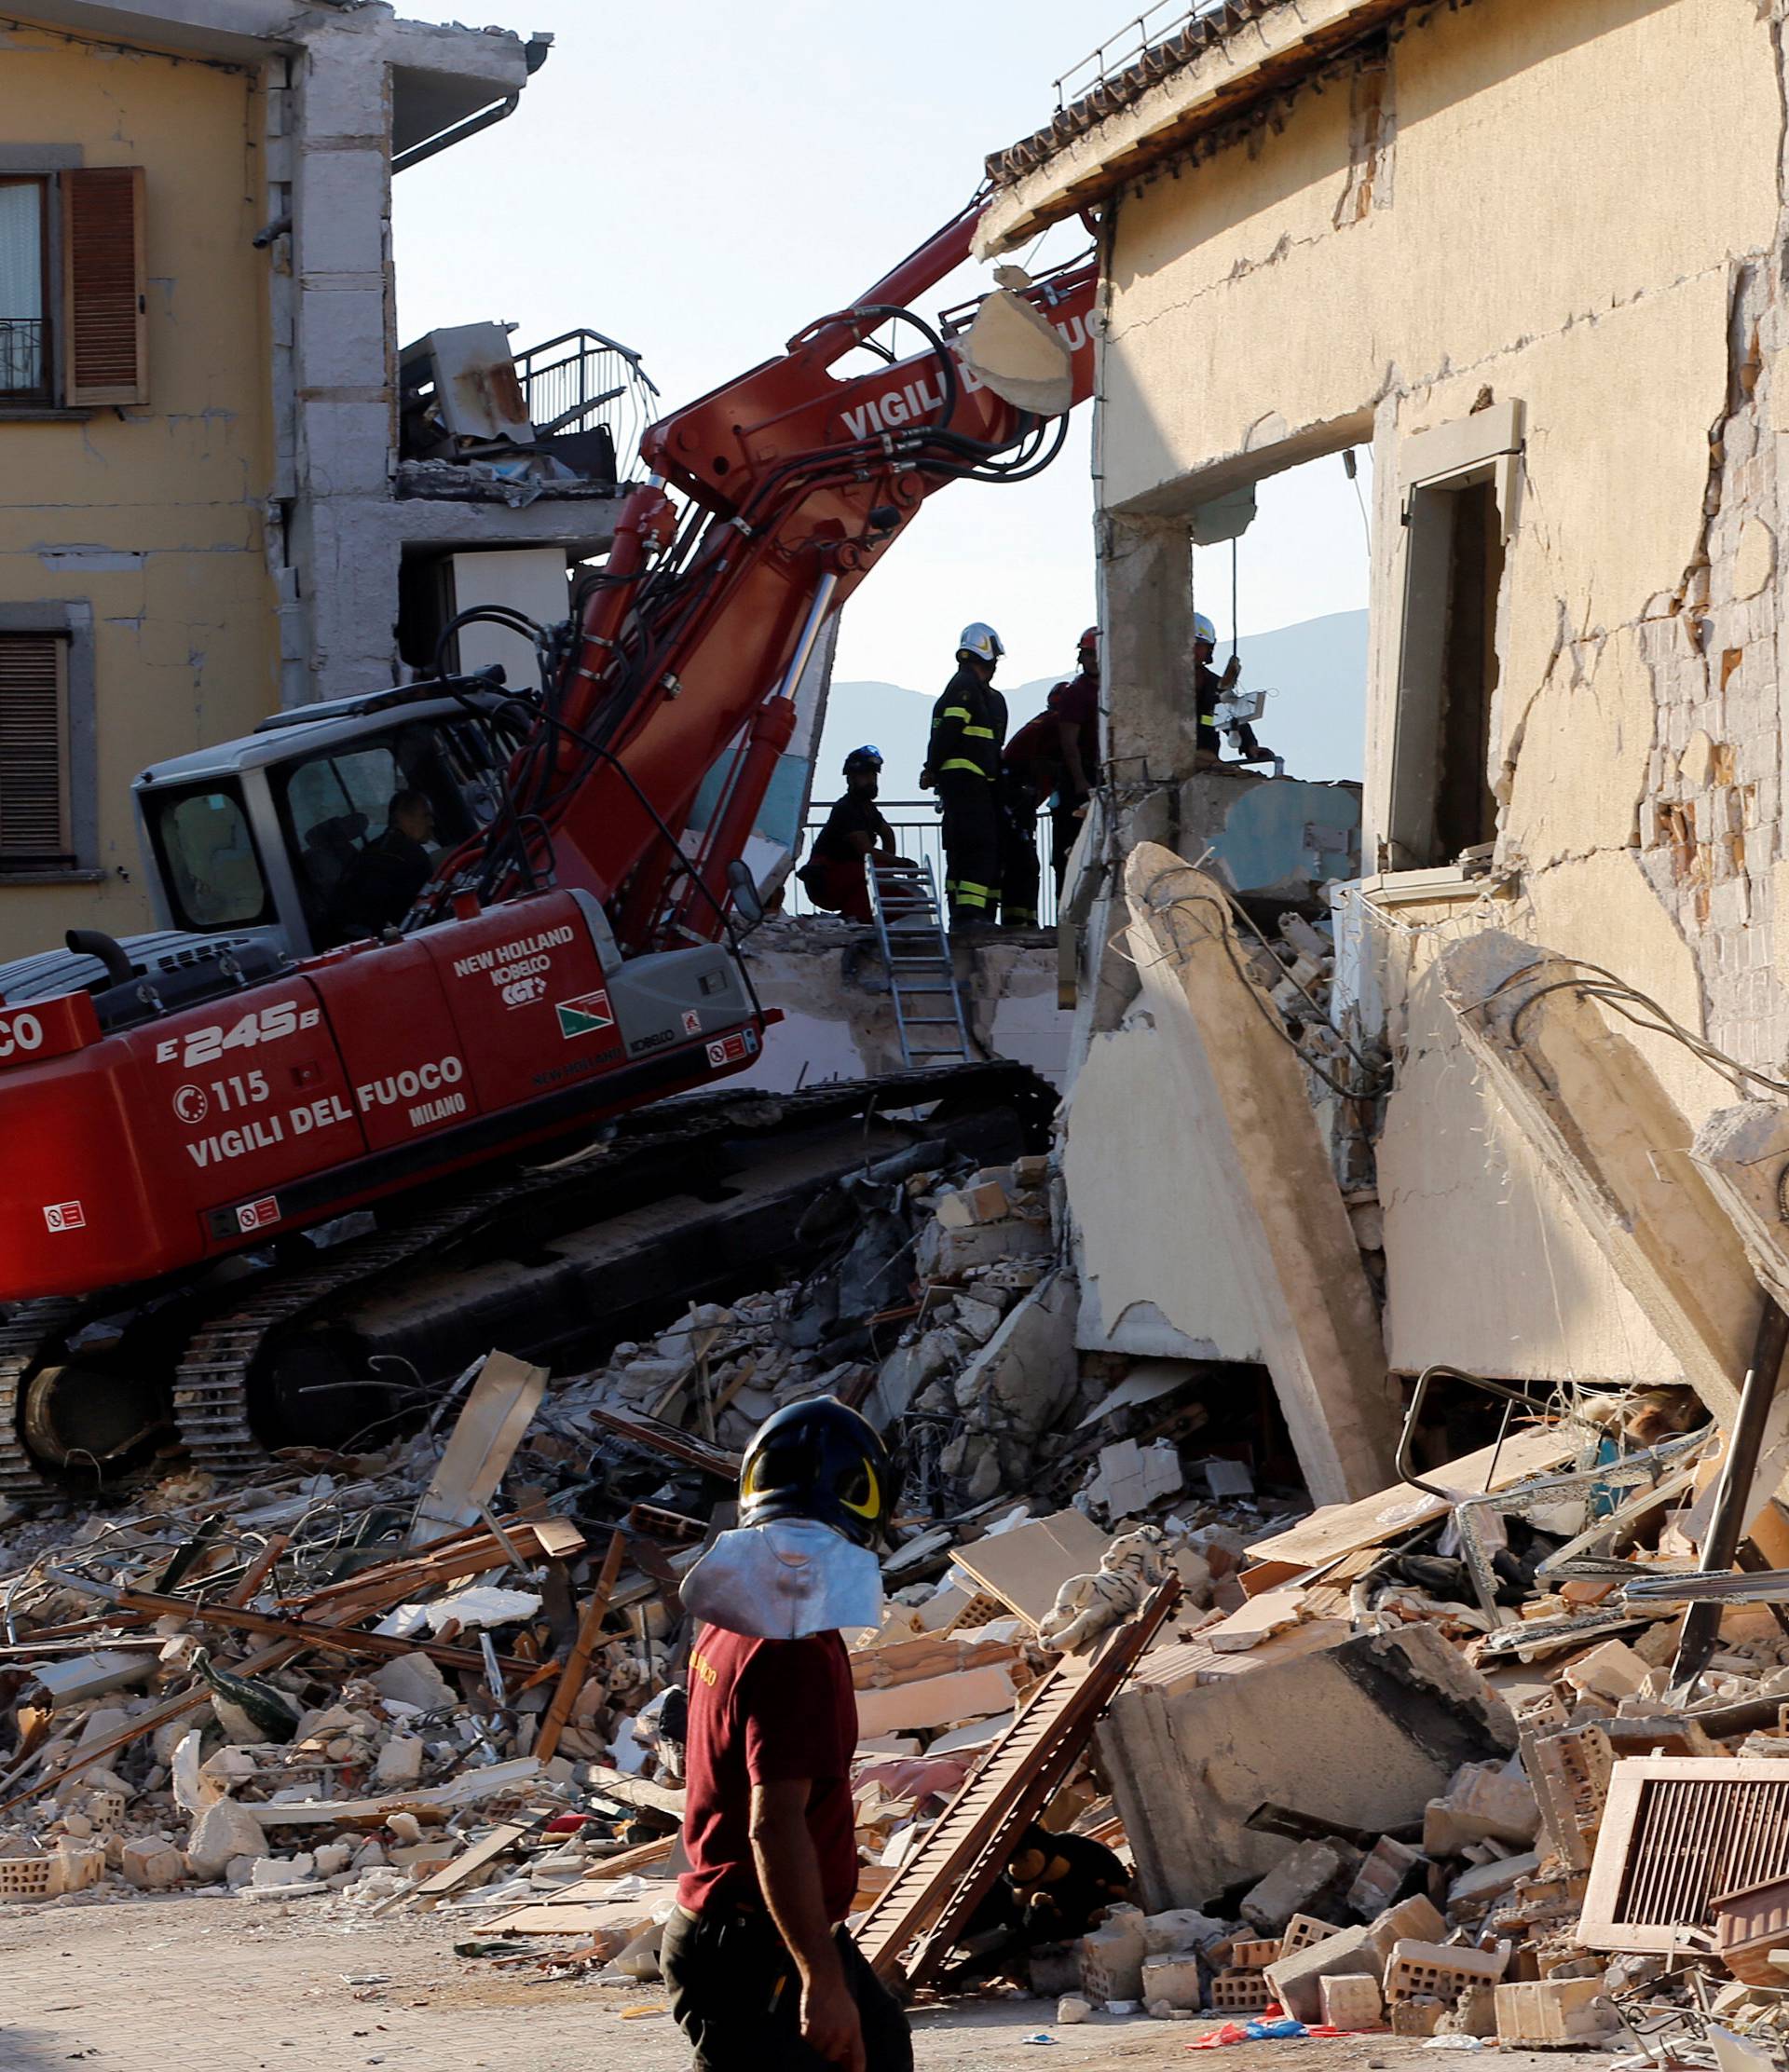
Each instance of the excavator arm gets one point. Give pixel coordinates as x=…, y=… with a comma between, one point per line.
x=796, y=483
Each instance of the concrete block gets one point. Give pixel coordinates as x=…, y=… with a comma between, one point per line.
x=1417, y=1971
x=1111, y=1956
x=967, y=1206
x=1613, y=1672
x=1547, y=2012
x=948, y=1255
x=1178, y=1928
x=1475, y=2013
x=400, y=1762
x=1173, y=1979
x=1418, y=2017
x=1296, y=1981
x=1383, y=1721
x=412, y=1680
x=1485, y=1802
x=1486, y=1882
x=1314, y=1873
x=152, y=1864
x=1352, y=2000
x=1387, y=1864
x=223, y=1831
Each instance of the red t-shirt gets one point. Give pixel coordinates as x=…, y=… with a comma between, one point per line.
x=761, y=1712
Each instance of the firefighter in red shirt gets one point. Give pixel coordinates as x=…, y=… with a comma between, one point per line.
x=1074, y=708
x=763, y=1977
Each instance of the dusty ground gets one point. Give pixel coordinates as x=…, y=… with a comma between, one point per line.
x=206, y=1985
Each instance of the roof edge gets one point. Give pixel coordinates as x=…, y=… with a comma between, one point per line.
x=1214, y=69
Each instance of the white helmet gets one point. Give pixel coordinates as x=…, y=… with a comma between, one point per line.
x=982, y=642
x=1203, y=629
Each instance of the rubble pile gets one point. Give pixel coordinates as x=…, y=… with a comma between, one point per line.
x=1479, y=1783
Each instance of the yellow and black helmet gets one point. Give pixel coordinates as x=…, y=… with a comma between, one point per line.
x=819, y=1460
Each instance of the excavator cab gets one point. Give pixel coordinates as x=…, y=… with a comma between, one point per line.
x=252, y=844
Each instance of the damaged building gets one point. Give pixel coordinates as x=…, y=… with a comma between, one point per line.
x=1325, y=227
x=226, y=488
x=1341, y=1436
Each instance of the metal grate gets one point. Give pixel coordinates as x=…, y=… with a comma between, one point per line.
x=1699, y=1838
x=1678, y=1832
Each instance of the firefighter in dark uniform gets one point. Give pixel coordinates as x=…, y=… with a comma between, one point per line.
x=962, y=766
x=836, y=876
x=1210, y=691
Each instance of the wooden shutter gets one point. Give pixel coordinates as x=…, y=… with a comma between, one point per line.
x=34, y=749
x=104, y=299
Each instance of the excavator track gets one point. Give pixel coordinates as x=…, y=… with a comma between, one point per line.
x=24, y=1336
x=212, y=1381
x=211, y=1399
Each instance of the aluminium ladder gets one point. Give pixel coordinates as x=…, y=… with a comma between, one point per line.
x=916, y=950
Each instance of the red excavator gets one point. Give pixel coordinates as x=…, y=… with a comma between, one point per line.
x=193, y=1146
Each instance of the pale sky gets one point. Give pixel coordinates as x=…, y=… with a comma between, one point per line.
x=700, y=181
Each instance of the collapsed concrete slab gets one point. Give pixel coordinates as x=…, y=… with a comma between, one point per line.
x=1363, y=1731
x=1607, y=1130
x=1318, y=1323
x=1594, y=1112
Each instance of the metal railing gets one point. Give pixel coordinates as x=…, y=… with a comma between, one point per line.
x=918, y=835
x=582, y=379
x=1126, y=44
x=22, y=356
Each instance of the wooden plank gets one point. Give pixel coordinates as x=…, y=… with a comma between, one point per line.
x=1026, y=1567
x=498, y=1408
x=1273, y=1612
x=879, y=1668
x=585, y=1918
x=259, y=1569
x=465, y=1867
x=664, y=1438
x=341, y=1640
x=577, y=1662
x=936, y=1701
x=1341, y=1528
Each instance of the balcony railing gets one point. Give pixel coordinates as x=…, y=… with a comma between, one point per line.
x=918, y=835
x=22, y=356
x=582, y=379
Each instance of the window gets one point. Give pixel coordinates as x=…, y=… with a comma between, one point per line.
x=209, y=860
x=1456, y=522
x=24, y=291
x=33, y=753
x=73, y=300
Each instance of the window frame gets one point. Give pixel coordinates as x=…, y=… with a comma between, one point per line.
x=47, y=392
x=1480, y=451
x=73, y=624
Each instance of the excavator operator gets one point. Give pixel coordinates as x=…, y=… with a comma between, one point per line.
x=962, y=766
x=836, y=875
x=380, y=887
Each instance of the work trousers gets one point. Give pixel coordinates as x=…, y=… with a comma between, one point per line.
x=1018, y=869
x=737, y=1997
x=1066, y=822
x=971, y=844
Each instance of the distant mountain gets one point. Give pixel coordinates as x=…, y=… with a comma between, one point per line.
x=1316, y=716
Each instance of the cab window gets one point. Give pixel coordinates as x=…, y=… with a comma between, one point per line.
x=209, y=861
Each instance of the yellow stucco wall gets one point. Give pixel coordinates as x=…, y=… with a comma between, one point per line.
x=1575, y=202
x=152, y=515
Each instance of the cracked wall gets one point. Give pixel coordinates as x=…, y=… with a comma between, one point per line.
x=1576, y=209
x=149, y=516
